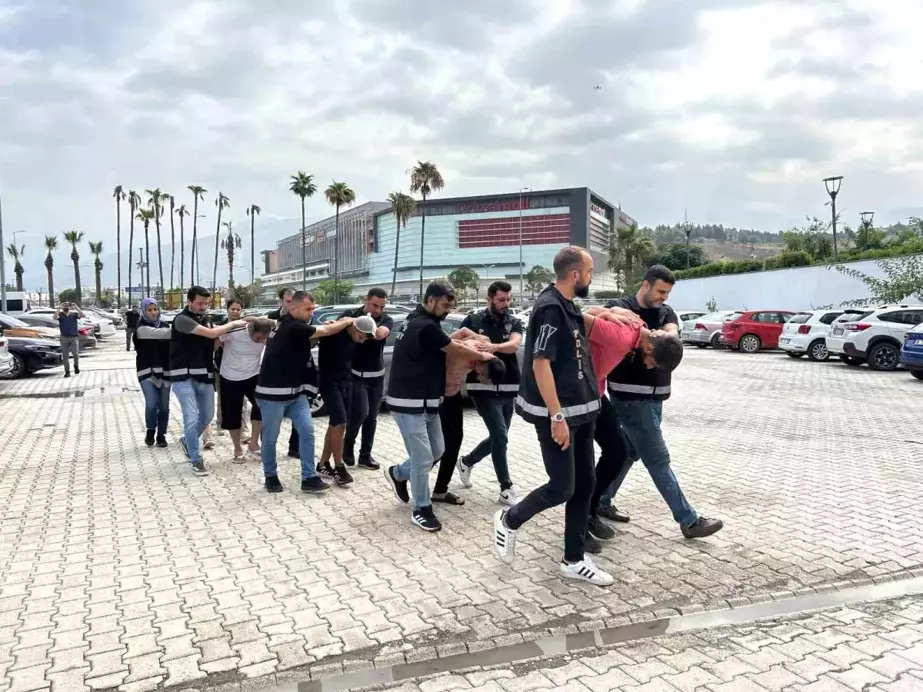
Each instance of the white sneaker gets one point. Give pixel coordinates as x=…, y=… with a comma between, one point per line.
x=464, y=473
x=509, y=497
x=504, y=538
x=586, y=570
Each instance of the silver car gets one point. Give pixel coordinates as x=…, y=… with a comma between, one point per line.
x=706, y=330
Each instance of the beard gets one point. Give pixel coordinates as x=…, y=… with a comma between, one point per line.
x=582, y=291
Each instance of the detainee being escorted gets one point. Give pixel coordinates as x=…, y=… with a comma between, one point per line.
x=415, y=391
x=152, y=359
x=287, y=377
x=558, y=396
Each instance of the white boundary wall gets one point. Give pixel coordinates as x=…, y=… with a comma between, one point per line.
x=798, y=288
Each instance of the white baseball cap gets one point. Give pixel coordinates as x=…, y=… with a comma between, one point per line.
x=365, y=324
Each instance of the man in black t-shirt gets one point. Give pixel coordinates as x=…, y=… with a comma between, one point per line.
x=335, y=355
x=285, y=303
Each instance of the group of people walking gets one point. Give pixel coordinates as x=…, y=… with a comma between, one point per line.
x=599, y=375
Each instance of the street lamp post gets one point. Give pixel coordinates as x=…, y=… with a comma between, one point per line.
x=521, y=293
x=833, y=189
x=142, y=265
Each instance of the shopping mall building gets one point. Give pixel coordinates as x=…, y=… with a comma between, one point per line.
x=488, y=233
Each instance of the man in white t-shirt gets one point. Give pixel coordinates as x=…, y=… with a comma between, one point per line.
x=240, y=367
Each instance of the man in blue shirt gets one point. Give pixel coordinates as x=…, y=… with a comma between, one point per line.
x=67, y=316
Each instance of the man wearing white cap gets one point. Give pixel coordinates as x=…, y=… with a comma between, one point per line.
x=335, y=355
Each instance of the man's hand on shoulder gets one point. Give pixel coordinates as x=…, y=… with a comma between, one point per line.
x=621, y=316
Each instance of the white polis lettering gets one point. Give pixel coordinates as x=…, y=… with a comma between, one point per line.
x=579, y=351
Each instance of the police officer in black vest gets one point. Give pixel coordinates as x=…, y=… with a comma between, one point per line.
x=285, y=303
x=637, y=393
x=559, y=396
x=495, y=402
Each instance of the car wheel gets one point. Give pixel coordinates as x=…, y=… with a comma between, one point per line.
x=19, y=368
x=793, y=355
x=715, y=342
x=850, y=360
x=884, y=357
x=917, y=373
x=749, y=343
x=318, y=408
x=701, y=345
x=818, y=352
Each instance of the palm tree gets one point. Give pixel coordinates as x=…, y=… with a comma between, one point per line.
x=338, y=194
x=425, y=178
x=51, y=244
x=172, y=201
x=403, y=207
x=303, y=185
x=628, y=249
x=198, y=193
x=181, y=212
x=16, y=253
x=252, y=211
x=231, y=243
x=96, y=249
x=155, y=202
x=145, y=216
x=119, y=196
x=222, y=203
x=74, y=237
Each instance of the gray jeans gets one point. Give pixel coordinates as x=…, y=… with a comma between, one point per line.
x=69, y=345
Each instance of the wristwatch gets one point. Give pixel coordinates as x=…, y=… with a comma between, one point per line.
x=558, y=417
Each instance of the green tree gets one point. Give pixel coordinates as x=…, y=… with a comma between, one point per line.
x=629, y=250
x=338, y=195
x=248, y=295
x=537, y=278
x=155, y=202
x=463, y=278
x=182, y=214
x=198, y=194
x=327, y=292
x=222, y=203
x=303, y=186
x=673, y=256
x=16, y=253
x=96, y=249
x=402, y=206
x=145, y=216
x=134, y=204
x=106, y=300
x=119, y=195
x=230, y=244
x=69, y=295
x=425, y=178
x=253, y=211
x=74, y=237
x=903, y=279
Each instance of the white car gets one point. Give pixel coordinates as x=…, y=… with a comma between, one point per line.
x=6, y=360
x=706, y=330
x=806, y=333
x=102, y=328
x=688, y=316
x=876, y=337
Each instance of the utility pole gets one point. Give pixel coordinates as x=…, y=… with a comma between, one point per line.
x=688, y=232
x=2, y=267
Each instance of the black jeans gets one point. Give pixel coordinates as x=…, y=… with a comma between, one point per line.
x=614, y=461
x=129, y=333
x=364, y=403
x=451, y=415
x=570, y=480
x=497, y=413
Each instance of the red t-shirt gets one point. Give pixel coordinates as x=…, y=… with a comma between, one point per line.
x=610, y=342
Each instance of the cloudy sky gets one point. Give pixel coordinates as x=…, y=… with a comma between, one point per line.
x=732, y=109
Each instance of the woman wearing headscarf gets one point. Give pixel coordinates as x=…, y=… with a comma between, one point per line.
x=152, y=349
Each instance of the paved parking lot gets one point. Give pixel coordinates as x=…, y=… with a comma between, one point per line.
x=119, y=569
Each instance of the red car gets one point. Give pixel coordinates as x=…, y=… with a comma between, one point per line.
x=754, y=330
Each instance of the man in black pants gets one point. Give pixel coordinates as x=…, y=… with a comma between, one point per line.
x=558, y=394
x=132, y=320
x=368, y=381
x=285, y=304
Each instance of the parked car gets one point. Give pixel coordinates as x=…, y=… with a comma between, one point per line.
x=116, y=320
x=13, y=326
x=32, y=355
x=806, y=333
x=6, y=359
x=688, y=316
x=87, y=339
x=102, y=327
x=754, y=330
x=877, y=337
x=912, y=351
x=706, y=330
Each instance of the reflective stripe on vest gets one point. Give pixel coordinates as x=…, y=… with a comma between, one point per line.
x=368, y=375
x=413, y=403
x=568, y=411
x=638, y=388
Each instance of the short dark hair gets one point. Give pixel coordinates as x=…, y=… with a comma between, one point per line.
x=668, y=351
x=567, y=260
x=284, y=291
x=196, y=292
x=658, y=272
x=495, y=370
x=498, y=286
x=377, y=292
x=299, y=296
x=233, y=301
x=262, y=325
x=437, y=290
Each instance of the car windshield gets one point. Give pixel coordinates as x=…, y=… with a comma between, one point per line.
x=8, y=321
x=800, y=317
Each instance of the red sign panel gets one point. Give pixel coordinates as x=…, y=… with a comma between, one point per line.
x=479, y=207
x=503, y=232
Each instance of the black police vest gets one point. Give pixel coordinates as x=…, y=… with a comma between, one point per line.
x=286, y=371
x=572, y=368
x=191, y=356
x=498, y=331
x=417, y=381
x=632, y=379
x=152, y=357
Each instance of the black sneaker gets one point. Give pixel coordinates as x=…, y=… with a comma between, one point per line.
x=149, y=438
x=599, y=530
x=76, y=370
x=425, y=519
x=182, y=446
x=313, y=485
x=324, y=469
x=294, y=454
x=612, y=513
x=161, y=440
x=199, y=468
x=67, y=374
x=273, y=485
x=399, y=487
x=349, y=459
x=703, y=528
x=591, y=545
x=369, y=463
x=341, y=476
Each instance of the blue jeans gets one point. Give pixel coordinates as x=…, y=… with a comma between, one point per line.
x=422, y=433
x=640, y=420
x=297, y=410
x=156, y=405
x=496, y=412
x=197, y=402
